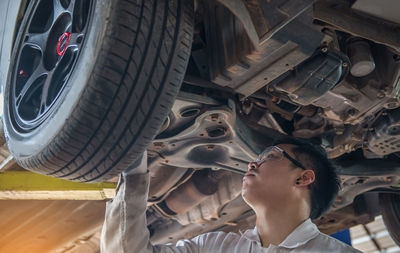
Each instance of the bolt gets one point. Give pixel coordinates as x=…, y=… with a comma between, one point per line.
x=271, y=89
x=293, y=96
x=345, y=64
x=388, y=179
x=380, y=94
x=324, y=49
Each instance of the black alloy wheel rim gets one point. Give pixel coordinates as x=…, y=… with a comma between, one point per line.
x=50, y=46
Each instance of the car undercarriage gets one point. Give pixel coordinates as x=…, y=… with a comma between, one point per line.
x=323, y=71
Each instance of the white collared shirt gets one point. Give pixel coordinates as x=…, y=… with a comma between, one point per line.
x=125, y=230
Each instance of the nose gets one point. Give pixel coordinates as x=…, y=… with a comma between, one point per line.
x=252, y=165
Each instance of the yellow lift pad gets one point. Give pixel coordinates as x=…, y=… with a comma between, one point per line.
x=24, y=185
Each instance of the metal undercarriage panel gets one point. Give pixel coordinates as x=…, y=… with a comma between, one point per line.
x=237, y=65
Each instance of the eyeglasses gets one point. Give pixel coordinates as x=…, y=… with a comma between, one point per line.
x=275, y=153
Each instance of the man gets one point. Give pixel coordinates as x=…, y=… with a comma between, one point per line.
x=289, y=184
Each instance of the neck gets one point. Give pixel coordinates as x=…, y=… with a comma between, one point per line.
x=274, y=225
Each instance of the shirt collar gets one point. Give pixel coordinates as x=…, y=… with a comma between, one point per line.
x=251, y=234
x=300, y=236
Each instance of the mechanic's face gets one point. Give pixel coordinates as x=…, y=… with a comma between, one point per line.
x=273, y=181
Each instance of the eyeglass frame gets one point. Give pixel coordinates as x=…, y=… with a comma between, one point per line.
x=285, y=154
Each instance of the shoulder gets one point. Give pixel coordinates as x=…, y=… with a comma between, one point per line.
x=331, y=244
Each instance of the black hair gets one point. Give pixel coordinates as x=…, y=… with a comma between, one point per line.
x=326, y=185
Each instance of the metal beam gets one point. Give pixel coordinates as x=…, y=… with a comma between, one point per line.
x=7, y=163
x=27, y=185
x=238, y=9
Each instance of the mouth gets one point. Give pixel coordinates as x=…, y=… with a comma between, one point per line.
x=249, y=174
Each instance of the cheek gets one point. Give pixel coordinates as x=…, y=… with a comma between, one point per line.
x=275, y=184
x=269, y=178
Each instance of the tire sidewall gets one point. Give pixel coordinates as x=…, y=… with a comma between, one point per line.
x=23, y=145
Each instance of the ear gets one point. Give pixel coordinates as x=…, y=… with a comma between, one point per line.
x=306, y=178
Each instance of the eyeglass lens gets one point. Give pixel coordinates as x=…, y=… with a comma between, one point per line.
x=271, y=153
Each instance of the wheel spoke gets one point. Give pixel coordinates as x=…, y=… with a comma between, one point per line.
x=45, y=91
x=37, y=73
x=71, y=6
x=58, y=9
x=75, y=40
x=36, y=40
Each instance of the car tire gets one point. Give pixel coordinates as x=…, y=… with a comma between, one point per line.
x=119, y=87
x=390, y=209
